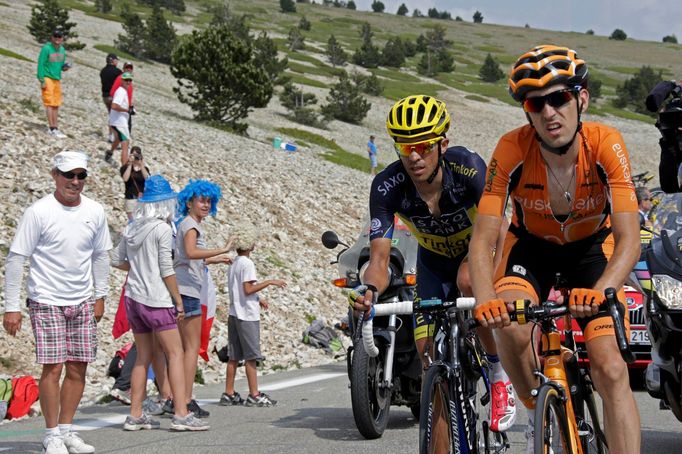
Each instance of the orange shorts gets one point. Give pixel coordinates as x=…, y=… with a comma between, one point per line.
x=52, y=93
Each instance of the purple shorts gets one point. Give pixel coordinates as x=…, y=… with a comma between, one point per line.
x=64, y=333
x=145, y=319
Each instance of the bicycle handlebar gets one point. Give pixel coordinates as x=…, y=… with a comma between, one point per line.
x=549, y=310
x=407, y=307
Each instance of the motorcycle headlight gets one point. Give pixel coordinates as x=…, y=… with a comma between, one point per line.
x=668, y=289
x=364, y=267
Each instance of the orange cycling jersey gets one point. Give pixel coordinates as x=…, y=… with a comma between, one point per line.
x=603, y=184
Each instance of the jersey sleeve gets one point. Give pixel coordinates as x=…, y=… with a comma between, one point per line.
x=381, y=210
x=496, y=184
x=476, y=162
x=613, y=157
x=102, y=237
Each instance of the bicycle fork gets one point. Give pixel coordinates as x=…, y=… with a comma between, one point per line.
x=388, y=361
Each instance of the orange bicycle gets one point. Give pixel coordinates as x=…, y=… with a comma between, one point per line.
x=566, y=418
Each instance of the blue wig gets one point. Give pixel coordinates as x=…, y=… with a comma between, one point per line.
x=199, y=188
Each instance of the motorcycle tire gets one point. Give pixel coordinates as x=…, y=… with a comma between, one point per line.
x=371, y=403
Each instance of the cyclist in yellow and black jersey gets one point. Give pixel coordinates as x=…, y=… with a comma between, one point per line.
x=434, y=190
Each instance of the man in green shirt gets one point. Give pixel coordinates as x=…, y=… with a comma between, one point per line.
x=51, y=63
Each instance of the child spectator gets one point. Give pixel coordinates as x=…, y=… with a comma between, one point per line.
x=196, y=201
x=153, y=302
x=243, y=327
x=134, y=173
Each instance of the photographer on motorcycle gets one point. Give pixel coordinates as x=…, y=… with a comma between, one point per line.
x=670, y=125
x=435, y=191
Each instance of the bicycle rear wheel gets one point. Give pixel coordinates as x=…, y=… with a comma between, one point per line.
x=437, y=431
x=551, y=423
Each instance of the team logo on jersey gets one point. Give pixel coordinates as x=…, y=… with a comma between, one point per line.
x=446, y=224
x=518, y=269
x=492, y=171
x=389, y=183
x=375, y=225
x=405, y=205
x=464, y=170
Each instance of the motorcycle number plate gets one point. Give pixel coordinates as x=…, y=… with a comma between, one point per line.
x=639, y=337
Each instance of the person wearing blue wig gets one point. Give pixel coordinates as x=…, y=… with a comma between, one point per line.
x=196, y=201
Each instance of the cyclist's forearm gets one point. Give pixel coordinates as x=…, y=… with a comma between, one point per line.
x=377, y=276
x=487, y=232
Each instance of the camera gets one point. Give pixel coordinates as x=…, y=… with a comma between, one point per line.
x=137, y=157
x=132, y=111
x=667, y=94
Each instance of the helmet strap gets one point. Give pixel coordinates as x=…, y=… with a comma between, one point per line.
x=435, y=171
x=562, y=150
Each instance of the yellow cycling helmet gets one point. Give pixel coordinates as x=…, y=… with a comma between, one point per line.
x=544, y=66
x=417, y=116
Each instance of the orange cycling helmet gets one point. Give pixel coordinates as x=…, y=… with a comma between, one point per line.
x=417, y=116
x=544, y=66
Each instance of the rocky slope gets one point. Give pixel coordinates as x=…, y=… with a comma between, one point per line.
x=290, y=198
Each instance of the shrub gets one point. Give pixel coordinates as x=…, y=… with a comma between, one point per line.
x=346, y=103
x=589, y=32
x=368, y=84
x=337, y=56
x=402, y=10
x=287, y=6
x=304, y=24
x=633, y=92
x=618, y=35
x=367, y=55
x=292, y=97
x=218, y=77
x=103, y=6
x=393, y=54
x=46, y=17
x=459, y=19
x=490, y=70
x=378, y=7
x=295, y=39
x=409, y=48
x=417, y=13
x=670, y=39
x=594, y=87
x=478, y=17
x=351, y=5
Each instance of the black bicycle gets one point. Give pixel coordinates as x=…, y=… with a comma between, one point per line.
x=456, y=388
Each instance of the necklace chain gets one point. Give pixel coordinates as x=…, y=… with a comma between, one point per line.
x=567, y=194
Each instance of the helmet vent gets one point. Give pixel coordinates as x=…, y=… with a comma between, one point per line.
x=421, y=111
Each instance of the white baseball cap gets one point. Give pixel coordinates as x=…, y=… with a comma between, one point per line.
x=69, y=160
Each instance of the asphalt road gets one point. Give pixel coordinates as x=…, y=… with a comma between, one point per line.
x=313, y=415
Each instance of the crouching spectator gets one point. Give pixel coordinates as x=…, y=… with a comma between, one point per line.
x=243, y=327
x=153, y=302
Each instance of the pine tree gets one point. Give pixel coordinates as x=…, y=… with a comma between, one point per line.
x=378, y=7
x=351, y=5
x=48, y=16
x=393, y=54
x=367, y=55
x=346, y=103
x=103, y=6
x=490, y=70
x=265, y=54
x=402, y=10
x=218, y=77
x=304, y=24
x=223, y=16
x=287, y=6
x=337, y=56
x=295, y=39
x=160, y=37
x=478, y=17
x=131, y=41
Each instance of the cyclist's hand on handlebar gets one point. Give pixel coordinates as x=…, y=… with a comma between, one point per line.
x=492, y=313
x=583, y=302
x=361, y=298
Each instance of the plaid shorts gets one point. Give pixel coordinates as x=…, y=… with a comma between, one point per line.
x=64, y=333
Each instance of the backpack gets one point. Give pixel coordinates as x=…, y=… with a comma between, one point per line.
x=5, y=396
x=24, y=394
x=322, y=336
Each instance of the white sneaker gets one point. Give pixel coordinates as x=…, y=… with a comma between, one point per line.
x=54, y=444
x=75, y=444
x=58, y=134
x=50, y=132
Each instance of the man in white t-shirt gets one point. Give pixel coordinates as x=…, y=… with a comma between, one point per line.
x=243, y=326
x=118, y=119
x=66, y=237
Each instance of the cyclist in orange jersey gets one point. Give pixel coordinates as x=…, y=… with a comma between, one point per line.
x=574, y=213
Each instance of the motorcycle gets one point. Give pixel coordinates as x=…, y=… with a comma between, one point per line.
x=393, y=377
x=663, y=312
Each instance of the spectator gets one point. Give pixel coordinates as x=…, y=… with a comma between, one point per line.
x=644, y=205
x=107, y=76
x=196, y=201
x=372, y=153
x=243, y=327
x=152, y=301
x=51, y=63
x=127, y=68
x=66, y=236
x=134, y=174
x=118, y=119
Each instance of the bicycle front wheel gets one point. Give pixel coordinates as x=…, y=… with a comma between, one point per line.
x=437, y=430
x=551, y=423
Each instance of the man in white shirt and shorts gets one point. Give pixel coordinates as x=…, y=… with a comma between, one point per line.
x=118, y=119
x=66, y=237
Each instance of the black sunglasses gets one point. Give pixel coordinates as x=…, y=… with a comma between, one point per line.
x=555, y=99
x=70, y=175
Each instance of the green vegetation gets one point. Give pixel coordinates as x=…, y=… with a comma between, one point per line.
x=9, y=53
x=30, y=105
x=477, y=98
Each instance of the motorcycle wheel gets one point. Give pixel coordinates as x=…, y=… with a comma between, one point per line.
x=371, y=403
